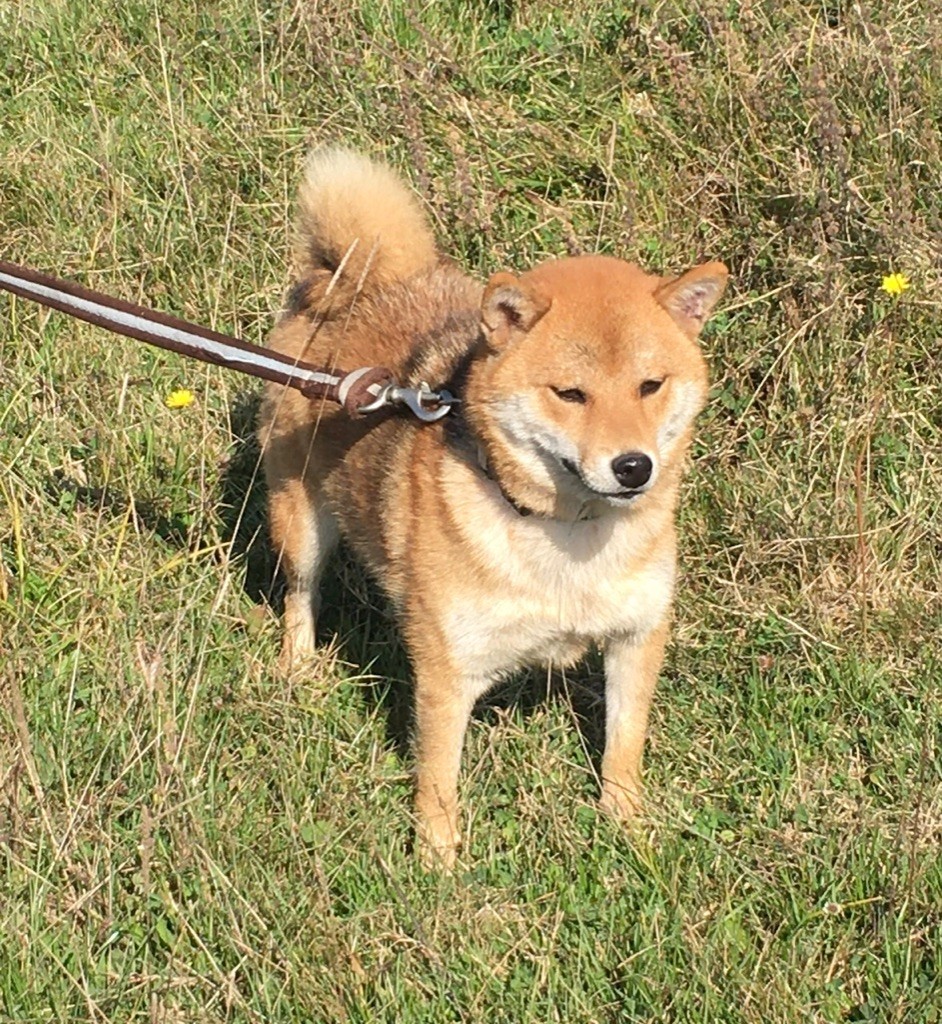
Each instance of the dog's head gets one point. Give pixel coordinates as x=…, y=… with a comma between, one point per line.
x=589, y=380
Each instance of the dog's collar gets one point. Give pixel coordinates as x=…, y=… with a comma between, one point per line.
x=521, y=510
x=485, y=468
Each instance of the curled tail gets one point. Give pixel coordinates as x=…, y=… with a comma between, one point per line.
x=358, y=228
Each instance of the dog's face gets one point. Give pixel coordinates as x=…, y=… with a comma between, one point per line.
x=593, y=375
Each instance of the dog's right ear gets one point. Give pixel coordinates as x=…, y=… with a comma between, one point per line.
x=510, y=308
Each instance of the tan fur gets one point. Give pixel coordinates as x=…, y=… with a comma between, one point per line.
x=358, y=214
x=480, y=589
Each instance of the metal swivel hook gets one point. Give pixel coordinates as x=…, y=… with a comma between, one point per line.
x=424, y=403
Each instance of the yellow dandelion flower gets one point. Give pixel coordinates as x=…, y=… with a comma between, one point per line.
x=895, y=284
x=179, y=399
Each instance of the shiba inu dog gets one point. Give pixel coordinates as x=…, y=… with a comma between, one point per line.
x=534, y=521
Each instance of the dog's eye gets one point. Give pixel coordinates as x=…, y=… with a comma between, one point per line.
x=648, y=387
x=569, y=394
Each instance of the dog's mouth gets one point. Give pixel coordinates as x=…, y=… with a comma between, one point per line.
x=623, y=496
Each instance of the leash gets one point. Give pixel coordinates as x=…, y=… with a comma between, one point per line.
x=362, y=391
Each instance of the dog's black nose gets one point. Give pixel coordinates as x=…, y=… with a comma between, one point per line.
x=632, y=469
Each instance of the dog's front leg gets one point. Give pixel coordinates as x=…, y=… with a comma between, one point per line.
x=443, y=704
x=631, y=671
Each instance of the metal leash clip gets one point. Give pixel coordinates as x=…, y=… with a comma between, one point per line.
x=424, y=403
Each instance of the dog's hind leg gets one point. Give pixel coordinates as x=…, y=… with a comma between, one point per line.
x=304, y=532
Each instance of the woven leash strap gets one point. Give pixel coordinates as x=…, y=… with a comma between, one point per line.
x=351, y=390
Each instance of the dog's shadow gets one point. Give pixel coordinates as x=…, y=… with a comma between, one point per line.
x=242, y=513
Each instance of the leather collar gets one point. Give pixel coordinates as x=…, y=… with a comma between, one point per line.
x=521, y=510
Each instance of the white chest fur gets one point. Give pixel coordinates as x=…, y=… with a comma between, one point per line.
x=539, y=590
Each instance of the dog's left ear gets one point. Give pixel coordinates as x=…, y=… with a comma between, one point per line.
x=691, y=297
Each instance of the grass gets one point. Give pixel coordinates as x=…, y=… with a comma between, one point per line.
x=184, y=837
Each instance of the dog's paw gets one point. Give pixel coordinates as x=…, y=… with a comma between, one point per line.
x=437, y=850
x=621, y=802
x=437, y=859
x=297, y=654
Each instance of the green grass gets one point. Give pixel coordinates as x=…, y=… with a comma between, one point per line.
x=185, y=837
